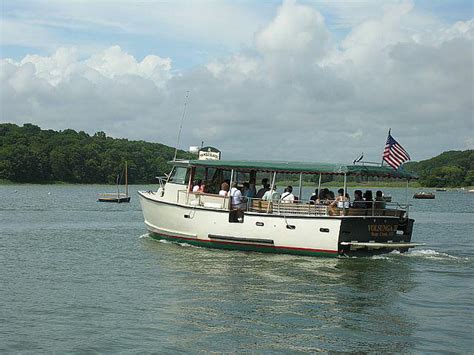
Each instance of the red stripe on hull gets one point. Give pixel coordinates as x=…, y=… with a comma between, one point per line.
x=249, y=244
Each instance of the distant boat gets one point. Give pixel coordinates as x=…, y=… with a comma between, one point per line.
x=442, y=189
x=117, y=197
x=424, y=195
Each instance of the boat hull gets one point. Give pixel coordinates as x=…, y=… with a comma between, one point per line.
x=424, y=196
x=114, y=199
x=243, y=246
x=302, y=235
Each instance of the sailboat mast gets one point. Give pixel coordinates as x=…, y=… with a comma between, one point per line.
x=126, y=180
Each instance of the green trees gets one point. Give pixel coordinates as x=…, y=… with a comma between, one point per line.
x=449, y=169
x=30, y=154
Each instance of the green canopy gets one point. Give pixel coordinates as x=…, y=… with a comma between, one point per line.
x=302, y=167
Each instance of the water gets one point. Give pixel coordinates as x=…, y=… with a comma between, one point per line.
x=82, y=276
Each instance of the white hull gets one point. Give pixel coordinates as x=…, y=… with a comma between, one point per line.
x=190, y=223
x=206, y=220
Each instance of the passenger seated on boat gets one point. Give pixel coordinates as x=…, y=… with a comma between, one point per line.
x=368, y=198
x=271, y=195
x=358, y=200
x=331, y=195
x=287, y=196
x=198, y=186
x=252, y=187
x=224, y=189
x=238, y=201
x=326, y=196
x=265, y=188
x=379, y=200
x=322, y=196
x=314, y=199
x=340, y=200
x=247, y=191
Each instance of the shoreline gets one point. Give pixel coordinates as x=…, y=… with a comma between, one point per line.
x=279, y=184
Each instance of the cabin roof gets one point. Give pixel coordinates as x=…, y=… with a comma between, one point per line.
x=302, y=167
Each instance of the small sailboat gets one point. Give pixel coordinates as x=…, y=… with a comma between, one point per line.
x=117, y=197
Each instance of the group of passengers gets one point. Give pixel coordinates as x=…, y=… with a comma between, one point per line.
x=361, y=200
x=239, y=197
x=366, y=200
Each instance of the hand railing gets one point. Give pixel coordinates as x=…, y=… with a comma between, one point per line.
x=298, y=207
x=161, y=180
x=203, y=199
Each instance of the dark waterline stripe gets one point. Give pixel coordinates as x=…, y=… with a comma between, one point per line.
x=248, y=247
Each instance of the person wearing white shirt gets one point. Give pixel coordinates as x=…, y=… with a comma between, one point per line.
x=224, y=189
x=238, y=201
x=287, y=196
x=271, y=195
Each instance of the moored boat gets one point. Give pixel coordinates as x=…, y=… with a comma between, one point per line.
x=117, y=197
x=424, y=196
x=174, y=212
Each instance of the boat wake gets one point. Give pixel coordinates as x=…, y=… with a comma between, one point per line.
x=428, y=254
x=433, y=255
x=181, y=244
x=146, y=235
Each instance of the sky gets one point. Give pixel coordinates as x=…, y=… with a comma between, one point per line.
x=282, y=80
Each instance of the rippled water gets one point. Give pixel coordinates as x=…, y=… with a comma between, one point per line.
x=82, y=276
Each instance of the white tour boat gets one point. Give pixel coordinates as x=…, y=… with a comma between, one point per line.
x=174, y=212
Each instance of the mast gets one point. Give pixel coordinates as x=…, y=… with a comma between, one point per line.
x=181, y=126
x=126, y=180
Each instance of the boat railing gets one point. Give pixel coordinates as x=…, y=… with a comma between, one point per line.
x=161, y=180
x=295, y=208
x=203, y=199
x=284, y=208
x=278, y=207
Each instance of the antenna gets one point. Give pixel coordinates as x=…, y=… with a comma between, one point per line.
x=181, y=125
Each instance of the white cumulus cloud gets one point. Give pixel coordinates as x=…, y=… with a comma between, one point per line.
x=295, y=93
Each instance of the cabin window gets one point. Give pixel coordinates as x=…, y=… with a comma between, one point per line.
x=179, y=175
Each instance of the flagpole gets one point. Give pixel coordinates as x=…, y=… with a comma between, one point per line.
x=386, y=144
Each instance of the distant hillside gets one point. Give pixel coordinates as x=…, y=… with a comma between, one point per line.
x=449, y=169
x=30, y=154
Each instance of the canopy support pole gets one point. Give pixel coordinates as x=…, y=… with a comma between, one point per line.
x=301, y=187
x=230, y=188
x=344, y=194
x=271, y=191
x=319, y=185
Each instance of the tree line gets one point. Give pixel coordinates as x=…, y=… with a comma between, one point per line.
x=29, y=154
x=449, y=169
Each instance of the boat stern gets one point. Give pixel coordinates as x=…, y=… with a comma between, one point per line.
x=375, y=235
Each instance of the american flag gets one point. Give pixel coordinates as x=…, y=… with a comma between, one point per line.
x=394, y=154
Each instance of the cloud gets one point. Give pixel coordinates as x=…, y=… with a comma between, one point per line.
x=296, y=31
x=297, y=93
